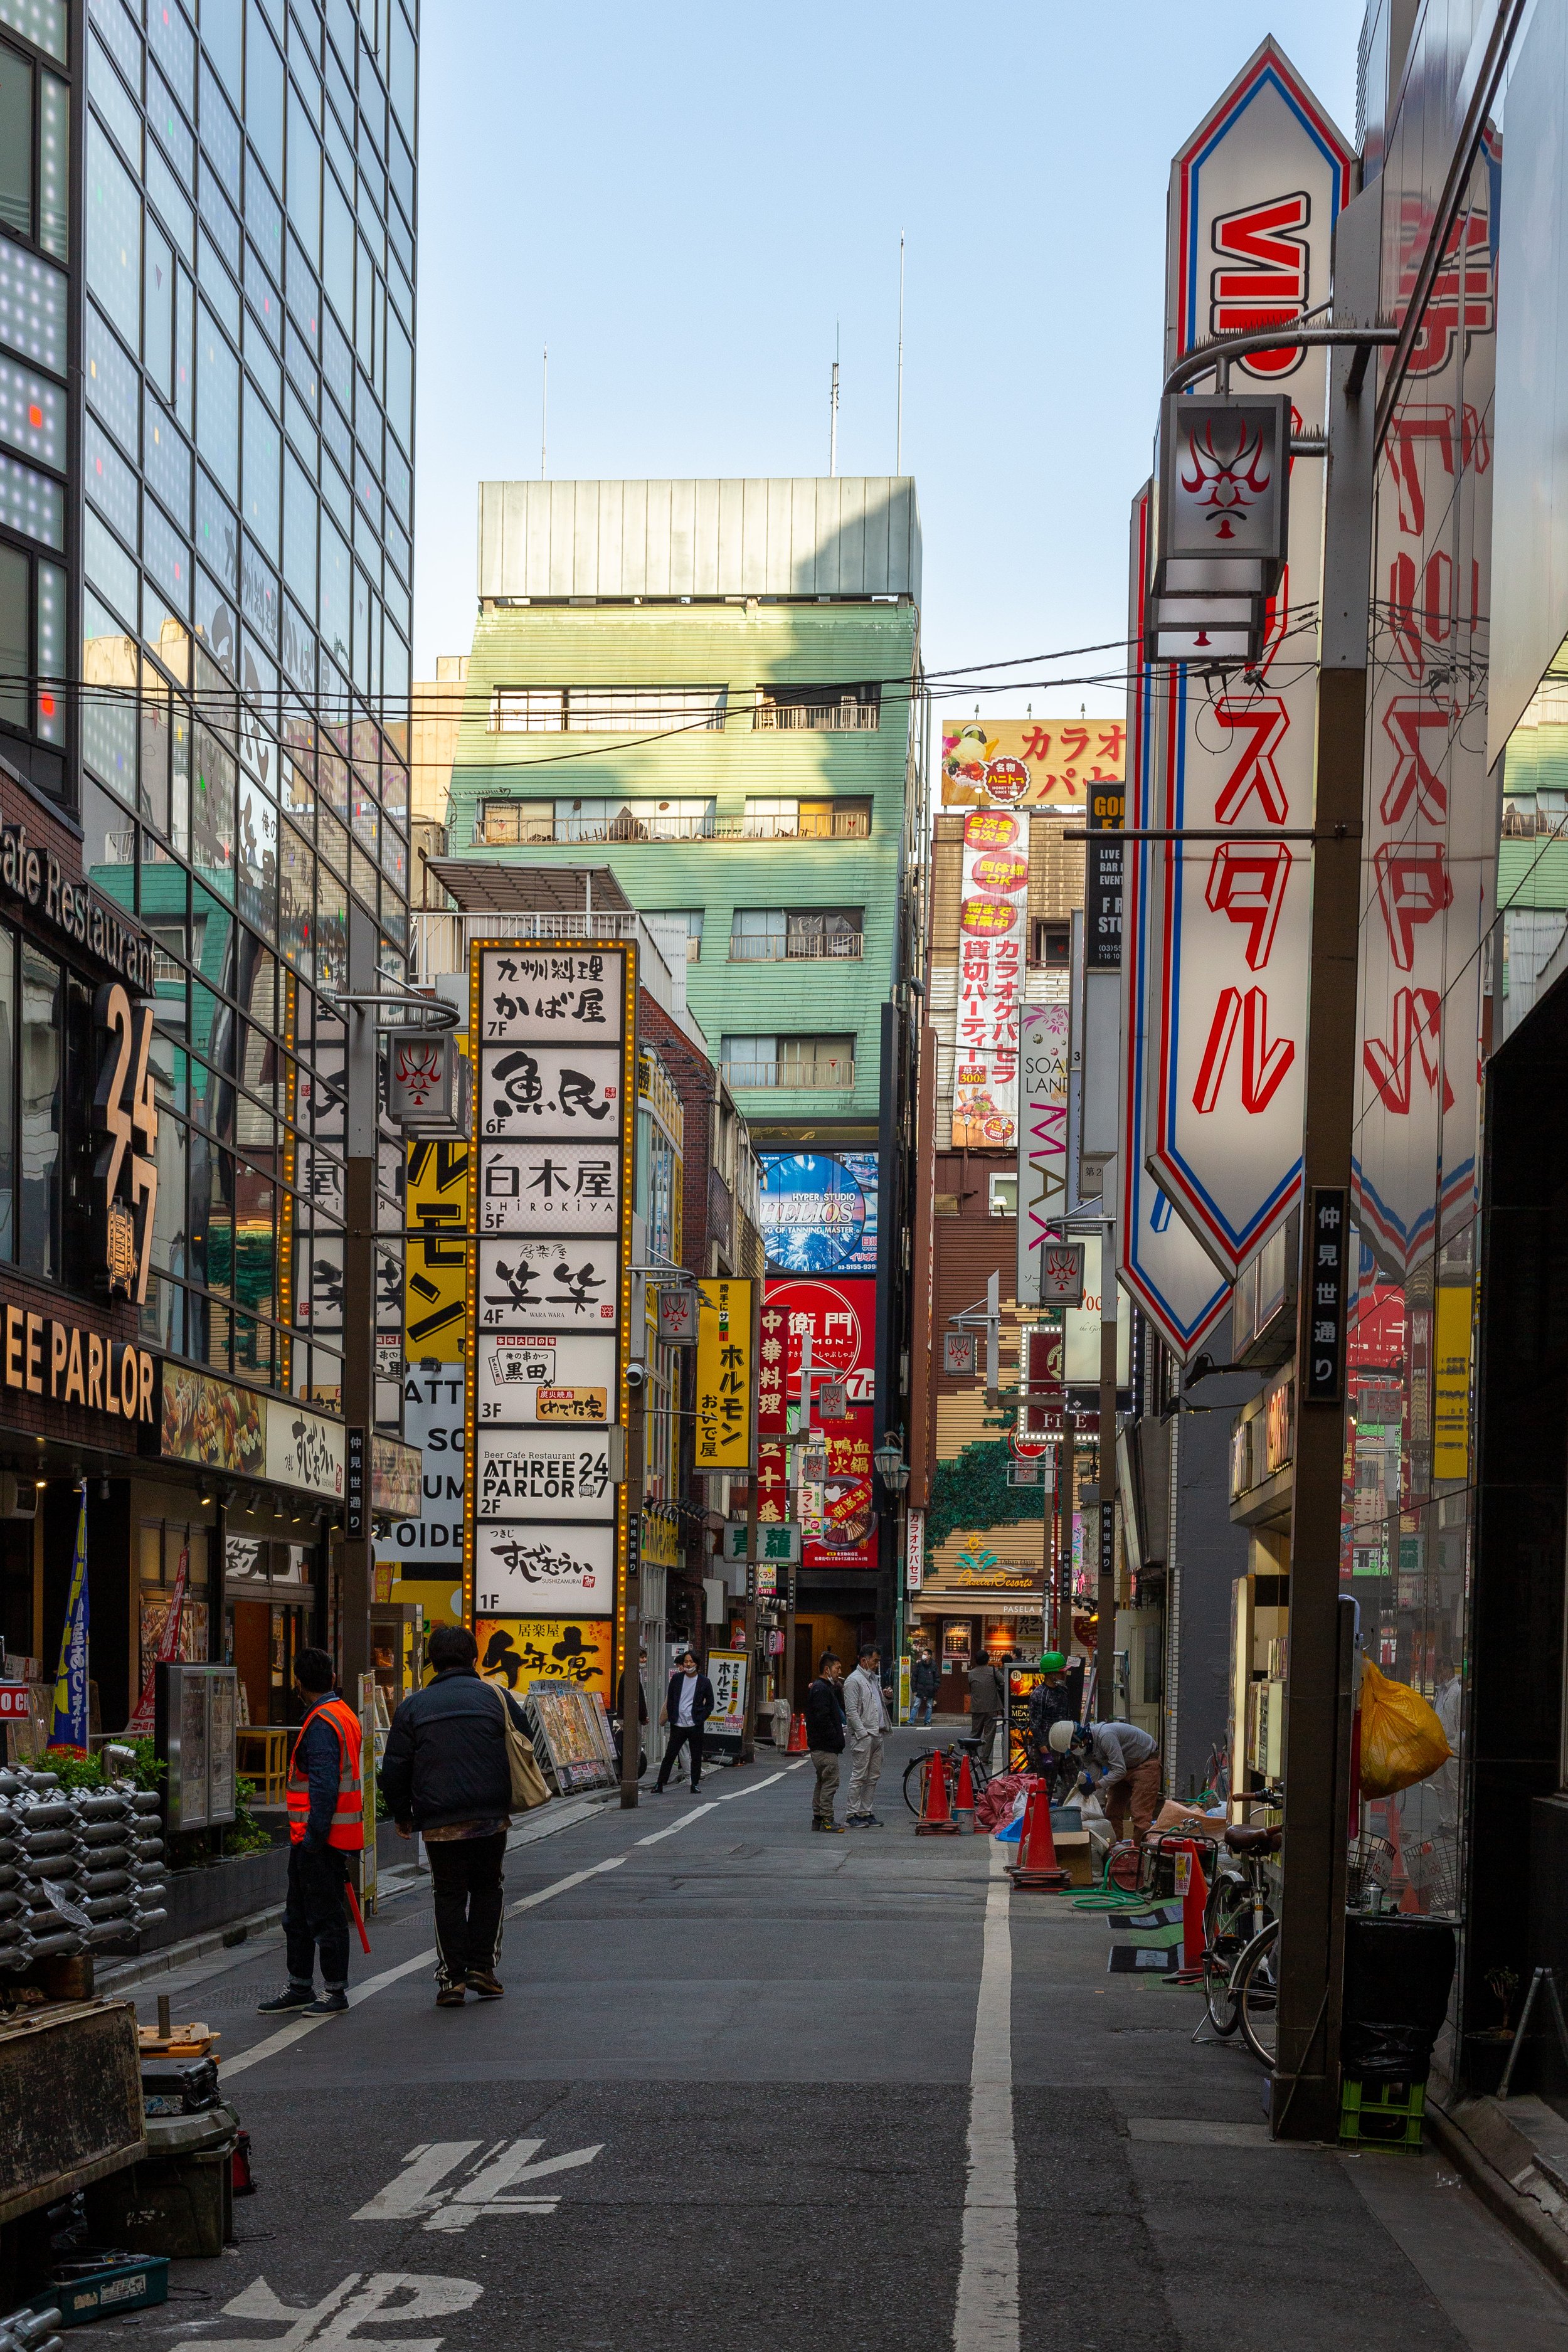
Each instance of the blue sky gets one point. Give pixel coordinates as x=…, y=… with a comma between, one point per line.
x=690, y=206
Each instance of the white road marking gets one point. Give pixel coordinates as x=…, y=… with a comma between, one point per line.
x=346, y=2307
x=799, y=1763
x=296, y=2028
x=416, y=2192
x=673, y=1829
x=985, y=2315
x=725, y=1794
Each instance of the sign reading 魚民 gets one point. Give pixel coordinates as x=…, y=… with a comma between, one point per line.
x=552, y=1038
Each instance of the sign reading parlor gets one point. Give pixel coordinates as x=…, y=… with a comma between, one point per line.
x=554, y=1038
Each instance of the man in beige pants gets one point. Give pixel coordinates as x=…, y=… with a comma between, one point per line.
x=866, y=1719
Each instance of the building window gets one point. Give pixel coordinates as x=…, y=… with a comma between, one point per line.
x=607, y=709
x=616, y=820
x=815, y=1063
x=691, y=921
x=503, y=823
x=840, y=709
x=1003, y=1196
x=1051, y=944
x=786, y=934
x=796, y=820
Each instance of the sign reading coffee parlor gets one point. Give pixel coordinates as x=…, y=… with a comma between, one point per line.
x=553, y=1033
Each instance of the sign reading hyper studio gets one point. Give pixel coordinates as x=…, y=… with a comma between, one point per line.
x=554, y=1034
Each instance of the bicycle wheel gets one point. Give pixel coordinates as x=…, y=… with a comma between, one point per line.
x=915, y=1772
x=1254, y=1983
x=1227, y=1922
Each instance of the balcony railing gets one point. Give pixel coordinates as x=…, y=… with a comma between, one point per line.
x=817, y=1077
x=811, y=948
x=839, y=717
x=845, y=824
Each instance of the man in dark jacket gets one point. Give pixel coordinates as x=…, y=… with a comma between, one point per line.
x=824, y=1719
x=688, y=1703
x=446, y=1774
x=986, y=1701
x=922, y=1686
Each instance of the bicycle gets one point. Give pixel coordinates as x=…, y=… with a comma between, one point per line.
x=1236, y=1917
x=917, y=1770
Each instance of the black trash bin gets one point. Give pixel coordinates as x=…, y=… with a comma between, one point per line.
x=1399, y=1970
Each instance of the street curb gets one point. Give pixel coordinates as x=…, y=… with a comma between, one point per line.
x=402, y=1879
x=1519, y=2214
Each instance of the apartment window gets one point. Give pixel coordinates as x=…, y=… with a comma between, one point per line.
x=781, y=934
x=797, y=820
x=1052, y=944
x=34, y=174
x=503, y=823
x=1003, y=1196
x=690, y=920
x=617, y=820
x=607, y=709
x=838, y=708
x=815, y=1062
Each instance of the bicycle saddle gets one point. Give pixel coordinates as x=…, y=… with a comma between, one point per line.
x=1249, y=1841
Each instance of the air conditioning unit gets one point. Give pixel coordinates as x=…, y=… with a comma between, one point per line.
x=18, y=1496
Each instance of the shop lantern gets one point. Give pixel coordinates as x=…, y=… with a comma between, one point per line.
x=1223, y=524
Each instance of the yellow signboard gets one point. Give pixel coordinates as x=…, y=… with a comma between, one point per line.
x=725, y=1401
x=434, y=1295
x=517, y=1651
x=1451, y=1383
x=1029, y=762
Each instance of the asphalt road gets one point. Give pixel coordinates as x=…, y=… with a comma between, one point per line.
x=845, y=2092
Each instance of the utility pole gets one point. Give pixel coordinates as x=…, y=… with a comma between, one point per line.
x=1105, y=1589
x=543, y=410
x=1317, y=1759
x=631, y=1670
x=833, y=413
x=899, y=439
x=356, y=1574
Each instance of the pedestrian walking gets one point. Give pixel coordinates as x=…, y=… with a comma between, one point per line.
x=687, y=1703
x=825, y=1720
x=1122, y=1763
x=868, y=1722
x=446, y=1773
x=326, y=1823
x=922, y=1686
x=986, y=1699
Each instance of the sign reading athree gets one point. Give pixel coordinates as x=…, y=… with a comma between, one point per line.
x=1255, y=194
x=554, y=1031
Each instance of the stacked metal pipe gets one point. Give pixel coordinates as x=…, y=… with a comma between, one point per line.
x=30, y=2331
x=80, y=1868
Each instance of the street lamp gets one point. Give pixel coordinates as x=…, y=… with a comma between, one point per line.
x=893, y=1470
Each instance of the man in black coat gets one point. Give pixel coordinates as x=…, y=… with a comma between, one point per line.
x=688, y=1703
x=446, y=1774
x=825, y=1720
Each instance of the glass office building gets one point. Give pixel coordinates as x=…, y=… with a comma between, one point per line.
x=210, y=216
x=206, y=338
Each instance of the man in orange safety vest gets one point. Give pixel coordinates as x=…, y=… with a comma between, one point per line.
x=326, y=1823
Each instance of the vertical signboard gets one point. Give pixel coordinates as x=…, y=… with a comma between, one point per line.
x=553, y=1033
x=1163, y=1264
x=723, y=1409
x=1102, y=878
x=1255, y=194
x=993, y=923
x=1044, y=1053
x=819, y=1213
x=429, y=1544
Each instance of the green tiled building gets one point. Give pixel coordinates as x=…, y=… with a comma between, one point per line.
x=710, y=688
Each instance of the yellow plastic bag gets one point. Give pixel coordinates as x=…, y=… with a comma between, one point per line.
x=1401, y=1739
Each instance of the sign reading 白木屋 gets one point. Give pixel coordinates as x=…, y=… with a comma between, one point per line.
x=553, y=1035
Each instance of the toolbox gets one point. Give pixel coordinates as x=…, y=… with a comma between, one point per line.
x=126, y=2282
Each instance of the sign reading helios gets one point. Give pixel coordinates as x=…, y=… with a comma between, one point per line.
x=554, y=1031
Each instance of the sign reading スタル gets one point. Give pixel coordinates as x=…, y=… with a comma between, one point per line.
x=553, y=1040
x=1255, y=194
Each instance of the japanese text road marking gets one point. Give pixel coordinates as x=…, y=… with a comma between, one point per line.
x=418, y=2191
x=343, y=2311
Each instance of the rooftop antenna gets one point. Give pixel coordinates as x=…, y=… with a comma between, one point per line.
x=543, y=411
x=832, y=409
x=899, y=443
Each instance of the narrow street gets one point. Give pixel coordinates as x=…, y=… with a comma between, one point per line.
x=730, y=2084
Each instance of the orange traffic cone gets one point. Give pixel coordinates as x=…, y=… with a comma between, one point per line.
x=1193, y=1889
x=963, y=1796
x=935, y=1821
x=796, y=1736
x=1036, y=1870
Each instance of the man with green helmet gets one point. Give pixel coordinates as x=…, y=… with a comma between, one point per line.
x=1050, y=1702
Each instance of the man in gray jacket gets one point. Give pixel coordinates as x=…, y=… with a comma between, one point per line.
x=866, y=1720
x=986, y=1700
